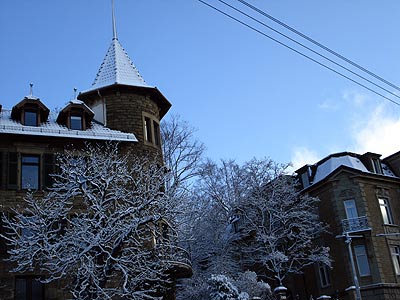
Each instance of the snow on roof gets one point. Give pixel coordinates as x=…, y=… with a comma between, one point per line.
x=79, y=102
x=333, y=163
x=386, y=170
x=76, y=101
x=117, y=68
x=31, y=97
x=52, y=129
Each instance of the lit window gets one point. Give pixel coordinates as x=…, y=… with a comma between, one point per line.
x=28, y=288
x=30, y=172
x=362, y=260
x=30, y=118
x=324, y=275
x=75, y=122
x=385, y=210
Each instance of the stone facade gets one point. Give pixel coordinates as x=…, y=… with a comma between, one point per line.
x=127, y=109
x=374, y=234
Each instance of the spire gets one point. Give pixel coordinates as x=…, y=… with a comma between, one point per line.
x=117, y=67
x=113, y=21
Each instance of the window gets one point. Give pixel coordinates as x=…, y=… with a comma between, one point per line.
x=395, y=251
x=324, y=275
x=362, y=260
x=351, y=209
x=76, y=122
x=30, y=172
x=352, y=215
x=147, y=130
x=156, y=128
x=30, y=118
x=385, y=210
x=28, y=288
x=376, y=165
x=151, y=130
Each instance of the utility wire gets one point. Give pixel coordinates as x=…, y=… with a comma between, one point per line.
x=319, y=44
x=308, y=48
x=298, y=52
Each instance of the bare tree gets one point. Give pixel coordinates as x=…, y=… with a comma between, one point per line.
x=285, y=228
x=253, y=216
x=101, y=229
x=182, y=155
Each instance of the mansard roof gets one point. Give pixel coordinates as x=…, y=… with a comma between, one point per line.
x=117, y=68
x=331, y=164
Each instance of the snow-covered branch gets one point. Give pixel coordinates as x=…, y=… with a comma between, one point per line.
x=100, y=228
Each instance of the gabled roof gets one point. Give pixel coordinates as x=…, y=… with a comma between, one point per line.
x=30, y=100
x=75, y=104
x=117, y=68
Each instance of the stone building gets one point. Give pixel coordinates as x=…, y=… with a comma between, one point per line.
x=120, y=106
x=360, y=201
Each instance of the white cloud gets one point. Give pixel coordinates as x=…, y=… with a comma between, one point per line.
x=366, y=125
x=328, y=105
x=355, y=97
x=302, y=156
x=378, y=131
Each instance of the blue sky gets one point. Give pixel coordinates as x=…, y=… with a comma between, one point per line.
x=246, y=95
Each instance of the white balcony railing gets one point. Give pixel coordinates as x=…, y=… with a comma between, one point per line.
x=355, y=224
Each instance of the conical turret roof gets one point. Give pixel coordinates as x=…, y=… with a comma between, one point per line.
x=117, y=68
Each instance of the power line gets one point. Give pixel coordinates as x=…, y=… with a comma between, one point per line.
x=319, y=44
x=298, y=52
x=309, y=49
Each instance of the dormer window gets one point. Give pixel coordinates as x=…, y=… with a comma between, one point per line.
x=76, y=116
x=30, y=112
x=30, y=118
x=75, y=122
x=376, y=166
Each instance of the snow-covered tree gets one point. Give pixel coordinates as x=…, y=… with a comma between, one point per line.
x=248, y=282
x=105, y=228
x=284, y=226
x=253, y=217
x=222, y=288
x=220, y=189
x=183, y=154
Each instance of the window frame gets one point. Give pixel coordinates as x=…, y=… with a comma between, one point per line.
x=376, y=166
x=324, y=275
x=33, y=112
x=148, y=130
x=156, y=133
x=395, y=254
x=386, y=211
x=76, y=115
x=30, y=164
x=360, y=253
x=151, y=130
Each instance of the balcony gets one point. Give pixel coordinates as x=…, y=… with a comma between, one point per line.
x=355, y=224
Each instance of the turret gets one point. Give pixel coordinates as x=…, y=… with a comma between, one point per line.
x=122, y=100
